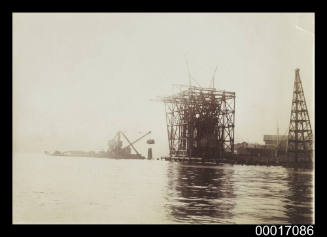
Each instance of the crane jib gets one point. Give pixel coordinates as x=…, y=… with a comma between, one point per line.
x=131, y=143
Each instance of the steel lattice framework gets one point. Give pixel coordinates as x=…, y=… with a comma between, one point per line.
x=300, y=133
x=200, y=122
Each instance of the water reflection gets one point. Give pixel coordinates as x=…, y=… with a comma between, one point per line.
x=238, y=194
x=141, y=192
x=299, y=205
x=200, y=194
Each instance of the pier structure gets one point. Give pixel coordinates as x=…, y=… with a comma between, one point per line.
x=200, y=122
x=300, y=132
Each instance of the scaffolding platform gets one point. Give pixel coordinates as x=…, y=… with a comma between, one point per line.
x=200, y=122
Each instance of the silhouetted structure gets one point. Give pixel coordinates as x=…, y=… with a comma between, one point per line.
x=200, y=122
x=279, y=142
x=300, y=133
x=116, y=149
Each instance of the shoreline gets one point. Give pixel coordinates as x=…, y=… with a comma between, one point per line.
x=254, y=161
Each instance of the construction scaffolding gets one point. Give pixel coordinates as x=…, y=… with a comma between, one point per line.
x=200, y=122
x=300, y=132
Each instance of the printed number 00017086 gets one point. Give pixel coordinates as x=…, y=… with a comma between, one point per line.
x=287, y=230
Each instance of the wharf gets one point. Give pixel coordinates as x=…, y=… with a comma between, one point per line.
x=243, y=160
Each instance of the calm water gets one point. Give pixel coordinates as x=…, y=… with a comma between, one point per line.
x=92, y=190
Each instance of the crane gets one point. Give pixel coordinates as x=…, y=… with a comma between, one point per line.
x=131, y=143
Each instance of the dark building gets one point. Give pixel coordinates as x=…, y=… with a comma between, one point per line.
x=278, y=142
x=254, y=150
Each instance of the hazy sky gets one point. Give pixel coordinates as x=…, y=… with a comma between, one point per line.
x=79, y=78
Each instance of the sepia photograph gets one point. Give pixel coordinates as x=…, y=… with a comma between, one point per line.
x=163, y=118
